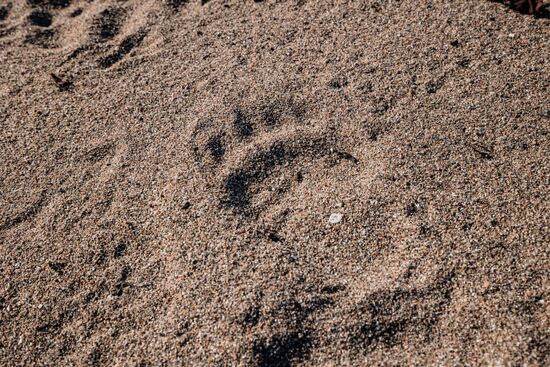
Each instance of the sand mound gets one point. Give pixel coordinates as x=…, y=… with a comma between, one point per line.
x=273, y=183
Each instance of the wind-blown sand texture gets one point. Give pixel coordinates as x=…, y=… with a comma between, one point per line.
x=168, y=170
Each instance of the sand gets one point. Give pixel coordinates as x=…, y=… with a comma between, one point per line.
x=274, y=183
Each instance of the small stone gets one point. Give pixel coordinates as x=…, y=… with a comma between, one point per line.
x=335, y=218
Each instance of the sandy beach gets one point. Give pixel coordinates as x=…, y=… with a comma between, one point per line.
x=274, y=183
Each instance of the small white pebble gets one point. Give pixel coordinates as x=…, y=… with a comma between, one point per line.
x=335, y=218
x=511, y=35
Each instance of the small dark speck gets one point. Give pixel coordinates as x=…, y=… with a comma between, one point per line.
x=424, y=229
x=119, y=289
x=3, y=13
x=524, y=146
x=57, y=267
x=251, y=316
x=332, y=289
x=483, y=151
x=120, y=248
x=274, y=237
x=95, y=357
x=186, y=205
x=338, y=82
x=90, y=297
x=373, y=136
x=455, y=43
x=411, y=209
x=216, y=148
x=125, y=273
x=432, y=87
x=61, y=83
x=242, y=126
x=183, y=328
x=76, y=13
x=348, y=157
x=464, y=63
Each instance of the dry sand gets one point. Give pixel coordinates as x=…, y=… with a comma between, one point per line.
x=168, y=170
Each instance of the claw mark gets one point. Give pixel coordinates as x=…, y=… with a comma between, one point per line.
x=124, y=48
x=27, y=214
x=108, y=24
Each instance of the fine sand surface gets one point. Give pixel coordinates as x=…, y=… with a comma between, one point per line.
x=274, y=183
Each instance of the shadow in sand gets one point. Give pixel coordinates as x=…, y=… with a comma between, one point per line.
x=543, y=13
x=530, y=7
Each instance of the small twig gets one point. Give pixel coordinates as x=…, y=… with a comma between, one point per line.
x=483, y=151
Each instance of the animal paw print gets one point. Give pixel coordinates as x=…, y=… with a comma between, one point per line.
x=260, y=153
x=40, y=19
x=107, y=24
x=5, y=11
x=106, y=27
x=388, y=315
x=98, y=29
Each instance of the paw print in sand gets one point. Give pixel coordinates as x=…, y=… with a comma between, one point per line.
x=106, y=35
x=260, y=153
x=105, y=32
x=42, y=31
